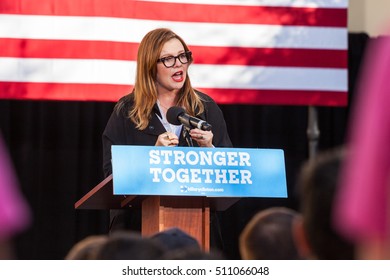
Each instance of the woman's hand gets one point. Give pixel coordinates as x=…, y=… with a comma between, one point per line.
x=167, y=139
x=203, y=138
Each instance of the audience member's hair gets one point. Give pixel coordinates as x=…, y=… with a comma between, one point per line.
x=129, y=245
x=175, y=238
x=318, y=183
x=269, y=236
x=86, y=248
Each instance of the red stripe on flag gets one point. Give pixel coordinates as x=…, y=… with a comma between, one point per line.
x=72, y=49
x=277, y=97
x=270, y=57
x=327, y=17
x=94, y=92
x=29, y=48
x=76, y=92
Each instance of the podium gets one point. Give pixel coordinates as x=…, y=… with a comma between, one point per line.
x=190, y=214
x=179, y=186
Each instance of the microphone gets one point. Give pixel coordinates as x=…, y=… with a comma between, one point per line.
x=177, y=115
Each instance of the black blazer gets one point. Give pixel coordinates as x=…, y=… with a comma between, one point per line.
x=120, y=130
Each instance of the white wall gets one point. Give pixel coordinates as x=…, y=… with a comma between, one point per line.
x=370, y=16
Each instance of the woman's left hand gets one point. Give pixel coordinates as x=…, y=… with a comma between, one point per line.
x=203, y=138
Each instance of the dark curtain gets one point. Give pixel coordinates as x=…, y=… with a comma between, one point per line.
x=57, y=154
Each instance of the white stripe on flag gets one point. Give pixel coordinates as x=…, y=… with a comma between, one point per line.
x=82, y=71
x=209, y=34
x=202, y=76
x=259, y=77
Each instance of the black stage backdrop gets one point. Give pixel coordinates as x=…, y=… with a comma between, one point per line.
x=57, y=154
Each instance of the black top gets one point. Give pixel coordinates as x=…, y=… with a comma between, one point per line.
x=120, y=130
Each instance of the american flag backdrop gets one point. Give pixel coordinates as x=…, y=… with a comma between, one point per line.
x=287, y=52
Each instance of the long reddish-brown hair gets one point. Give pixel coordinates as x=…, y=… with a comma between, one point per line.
x=145, y=92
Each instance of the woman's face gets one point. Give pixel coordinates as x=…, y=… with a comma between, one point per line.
x=172, y=78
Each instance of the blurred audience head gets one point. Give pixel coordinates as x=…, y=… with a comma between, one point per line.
x=269, y=236
x=175, y=238
x=318, y=185
x=86, y=248
x=129, y=245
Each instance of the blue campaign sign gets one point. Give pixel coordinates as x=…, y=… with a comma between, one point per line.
x=213, y=172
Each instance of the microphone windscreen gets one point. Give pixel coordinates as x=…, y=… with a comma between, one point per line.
x=173, y=113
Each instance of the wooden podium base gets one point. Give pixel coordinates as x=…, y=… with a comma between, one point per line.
x=190, y=214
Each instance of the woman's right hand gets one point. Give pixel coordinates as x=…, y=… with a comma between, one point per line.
x=167, y=139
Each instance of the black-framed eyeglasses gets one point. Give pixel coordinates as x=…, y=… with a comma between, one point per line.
x=170, y=61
